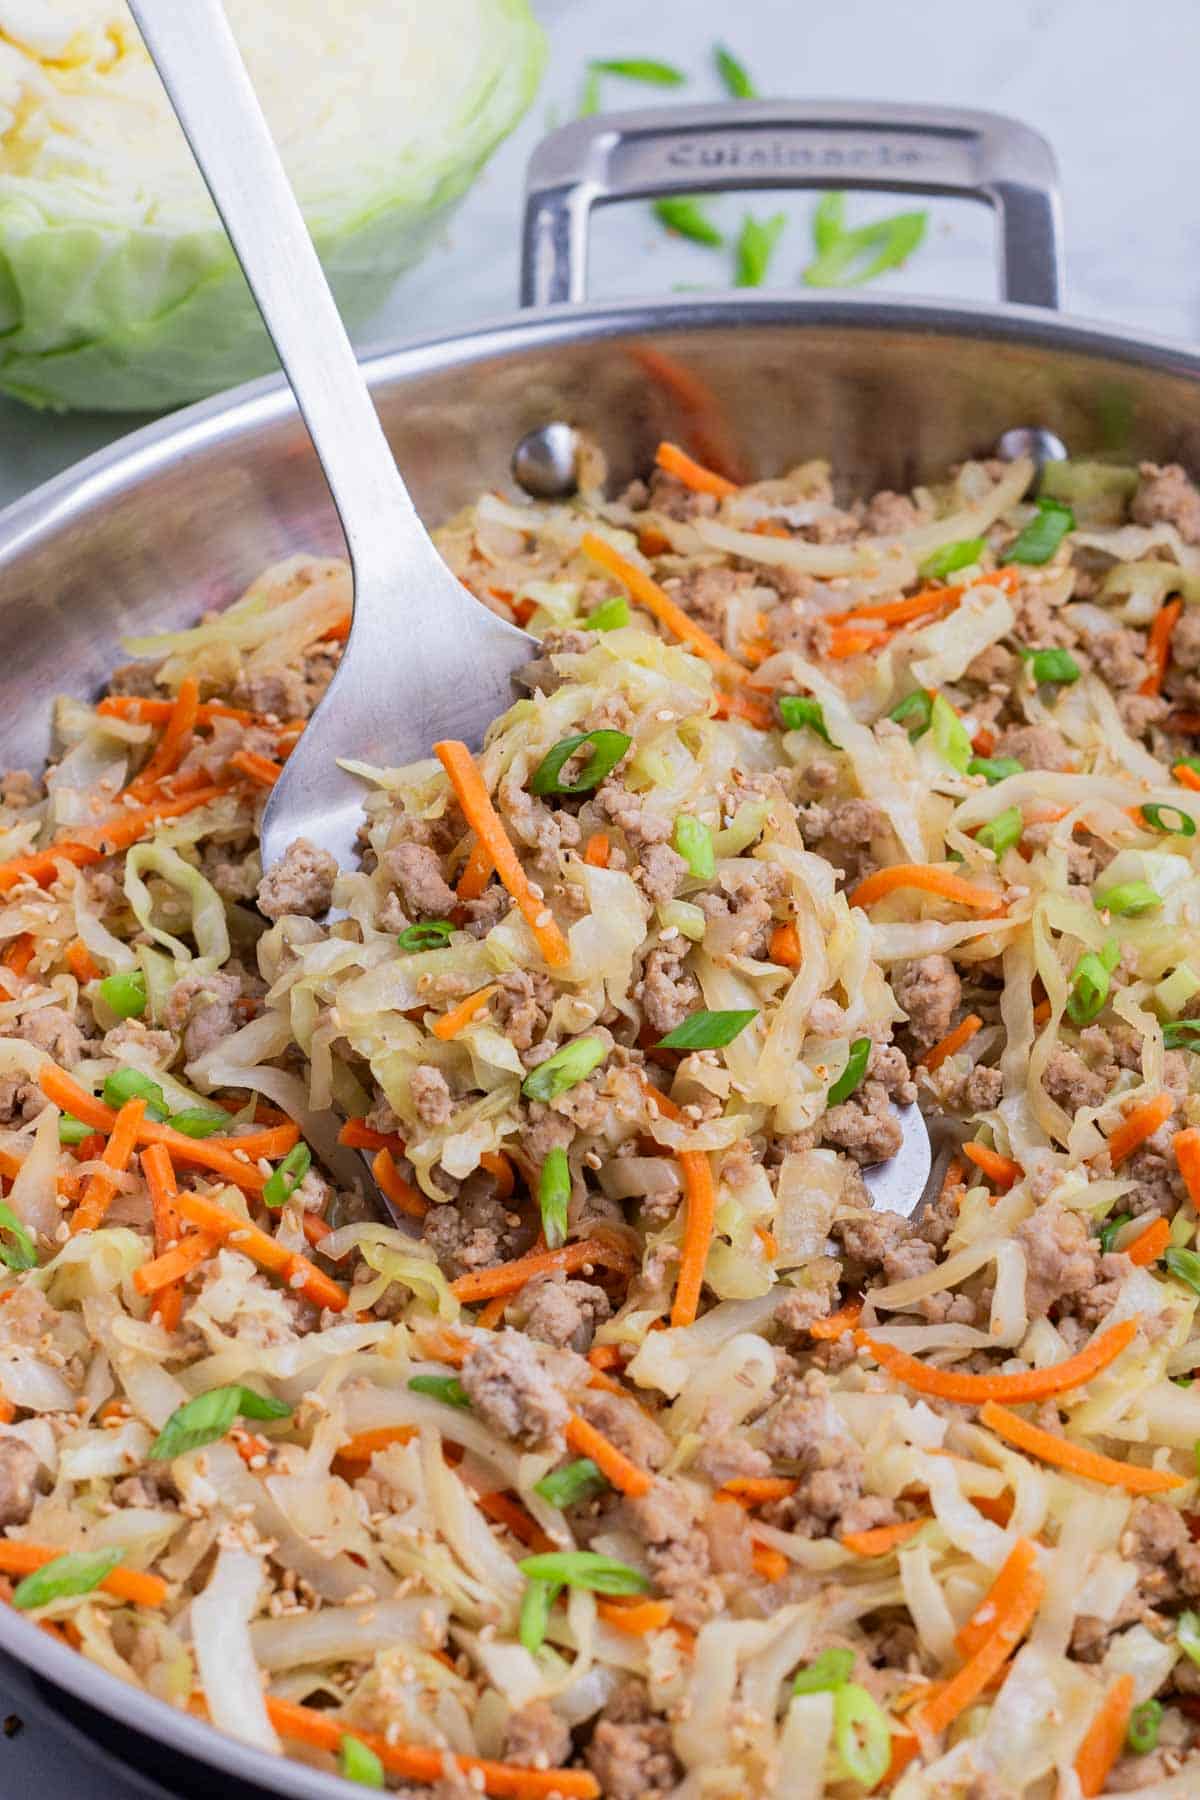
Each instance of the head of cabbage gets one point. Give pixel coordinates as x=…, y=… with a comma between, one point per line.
x=118, y=287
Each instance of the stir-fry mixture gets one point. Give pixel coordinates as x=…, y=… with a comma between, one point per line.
x=638, y=1454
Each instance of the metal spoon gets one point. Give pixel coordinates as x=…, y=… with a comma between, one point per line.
x=424, y=660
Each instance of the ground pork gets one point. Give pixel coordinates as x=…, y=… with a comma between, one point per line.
x=134, y=678
x=536, y=1738
x=431, y=1095
x=131, y=1034
x=864, y=1125
x=277, y=692
x=1166, y=495
x=929, y=990
x=1119, y=657
x=667, y=494
x=630, y=1753
x=804, y=1429
x=416, y=871
x=627, y=1425
x=677, y=1551
x=667, y=992
x=1138, y=712
x=482, y=915
x=52, y=1029
x=1035, y=747
x=541, y=674
x=1062, y=1261
x=727, y=1453
x=1158, y=1185
x=1129, y=1773
x=631, y=815
x=204, y=1008
x=1185, y=641
x=477, y=1232
x=867, y=1237
x=20, y=1100
x=27, y=1317
x=234, y=877
x=845, y=832
x=18, y=1481
x=537, y=825
x=1068, y=1080
x=511, y=1391
x=522, y=1006
x=1157, y=1539
x=741, y=916
x=1036, y=621
x=18, y=788
x=662, y=871
x=706, y=593
x=560, y=1312
x=301, y=882
x=889, y=514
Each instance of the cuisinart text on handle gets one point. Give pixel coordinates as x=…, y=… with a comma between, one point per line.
x=785, y=153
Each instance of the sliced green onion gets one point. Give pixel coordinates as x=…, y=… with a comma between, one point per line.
x=611, y=615
x=1156, y=816
x=694, y=842
x=1002, y=832
x=199, y=1122
x=1144, y=1721
x=854, y=257
x=283, y=1182
x=1052, y=668
x=734, y=74
x=825, y=1674
x=430, y=934
x=862, y=1735
x=564, y=1069
x=208, y=1417
x=828, y=220
x=584, y=1569
x=1090, y=981
x=1108, y=1233
x=950, y=737
x=797, y=711
x=914, y=712
x=1187, y=1634
x=755, y=247
x=994, y=768
x=640, y=68
x=1043, y=534
x=1187, y=762
x=688, y=218
x=446, y=1388
x=607, y=749
x=358, y=1762
x=1128, y=899
x=131, y=1084
x=1181, y=1034
x=536, y=1602
x=950, y=557
x=708, y=1030
x=72, y=1130
x=17, y=1248
x=589, y=100
x=851, y=1077
x=577, y=1480
x=1185, y=1266
x=125, y=993
x=554, y=1194
x=76, y=1572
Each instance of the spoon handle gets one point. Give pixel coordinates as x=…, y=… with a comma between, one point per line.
x=202, y=70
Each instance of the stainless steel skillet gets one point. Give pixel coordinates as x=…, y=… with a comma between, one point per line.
x=182, y=514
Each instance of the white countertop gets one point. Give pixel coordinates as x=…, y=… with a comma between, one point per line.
x=1118, y=112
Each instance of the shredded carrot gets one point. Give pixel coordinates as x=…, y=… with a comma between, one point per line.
x=8, y=1412
x=996, y=1507
x=768, y=1563
x=145, y=710
x=984, y=741
x=1105, y=1736
x=692, y=474
x=223, y=1156
x=1074, y=1458
x=952, y=1043
x=21, y=1558
x=661, y=1102
x=256, y=767
x=297, y=1271
x=117, y=832
x=701, y=1201
x=1137, y=1126
x=635, y=1617
x=1001, y=1170
x=1158, y=646
x=1186, y=777
x=648, y=594
x=768, y=1240
x=19, y=953
x=356, y=1134
x=159, y=1172
x=365, y=1444
x=1010, y=1627
x=174, y=743
x=760, y=1490
x=1186, y=1145
x=506, y=1511
x=838, y=1323
x=652, y=541
x=501, y=1171
x=98, y=1194
x=899, y=612
x=477, y=872
x=1149, y=1245
x=882, y=1539
x=741, y=705
x=1041, y=1012
x=999, y=1598
x=314, y=1227
x=80, y=963
x=507, y=1278
x=1030, y=1384
x=448, y=1025
x=606, y=1356
x=932, y=880
x=173, y=1265
x=585, y=1440
x=489, y=1316
x=597, y=850
x=844, y=643
x=415, y=1762
x=784, y=946
x=484, y=820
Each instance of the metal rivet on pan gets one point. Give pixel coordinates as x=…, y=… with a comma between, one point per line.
x=545, y=461
x=1033, y=441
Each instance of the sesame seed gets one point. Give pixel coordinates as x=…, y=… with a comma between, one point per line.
x=545, y=917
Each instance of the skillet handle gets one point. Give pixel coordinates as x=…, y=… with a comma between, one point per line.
x=801, y=144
